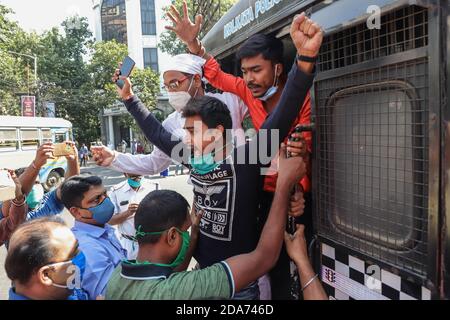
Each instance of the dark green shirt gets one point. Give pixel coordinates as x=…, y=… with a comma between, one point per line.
x=147, y=282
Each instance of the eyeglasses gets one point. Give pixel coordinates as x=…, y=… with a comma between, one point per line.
x=175, y=84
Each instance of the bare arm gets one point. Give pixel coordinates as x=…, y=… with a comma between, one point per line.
x=73, y=168
x=124, y=216
x=297, y=250
x=28, y=178
x=73, y=165
x=17, y=212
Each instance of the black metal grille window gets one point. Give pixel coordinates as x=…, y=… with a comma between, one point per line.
x=372, y=149
x=401, y=30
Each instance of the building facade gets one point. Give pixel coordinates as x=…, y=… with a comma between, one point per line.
x=138, y=24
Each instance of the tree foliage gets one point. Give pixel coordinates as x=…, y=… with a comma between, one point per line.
x=169, y=42
x=73, y=71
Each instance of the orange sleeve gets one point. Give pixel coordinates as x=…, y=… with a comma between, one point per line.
x=305, y=118
x=17, y=216
x=236, y=85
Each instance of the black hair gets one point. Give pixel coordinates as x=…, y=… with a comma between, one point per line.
x=74, y=188
x=212, y=111
x=31, y=248
x=269, y=46
x=159, y=211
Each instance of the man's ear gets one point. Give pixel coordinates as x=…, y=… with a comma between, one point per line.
x=76, y=213
x=219, y=132
x=197, y=81
x=172, y=236
x=43, y=276
x=280, y=69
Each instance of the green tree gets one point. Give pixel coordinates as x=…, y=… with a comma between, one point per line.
x=74, y=72
x=169, y=42
x=16, y=71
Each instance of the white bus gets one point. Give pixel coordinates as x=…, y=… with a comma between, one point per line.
x=20, y=137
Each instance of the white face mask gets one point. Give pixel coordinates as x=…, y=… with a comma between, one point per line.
x=179, y=100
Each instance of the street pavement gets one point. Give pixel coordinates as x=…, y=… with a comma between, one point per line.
x=110, y=178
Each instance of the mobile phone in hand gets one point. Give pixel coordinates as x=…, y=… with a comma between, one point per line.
x=63, y=149
x=126, y=69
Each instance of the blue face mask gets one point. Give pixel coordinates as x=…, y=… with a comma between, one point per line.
x=103, y=212
x=273, y=89
x=134, y=184
x=80, y=261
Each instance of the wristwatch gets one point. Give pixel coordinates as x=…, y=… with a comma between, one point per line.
x=306, y=58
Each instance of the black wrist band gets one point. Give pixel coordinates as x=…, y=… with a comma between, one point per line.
x=306, y=58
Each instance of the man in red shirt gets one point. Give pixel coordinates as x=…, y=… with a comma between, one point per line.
x=263, y=81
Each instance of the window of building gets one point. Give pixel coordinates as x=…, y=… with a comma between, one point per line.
x=148, y=17
x=114, y=21
x=151, y=58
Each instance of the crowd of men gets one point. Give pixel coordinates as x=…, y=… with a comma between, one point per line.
x=137, y=242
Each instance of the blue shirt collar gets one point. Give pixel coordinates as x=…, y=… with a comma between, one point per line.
x=95, y=231
x=15, y=296
x=78, y=294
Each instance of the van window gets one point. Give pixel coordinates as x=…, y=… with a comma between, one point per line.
x=46, y=135
x=8, y=140
x=60, y=137
x=29, y=139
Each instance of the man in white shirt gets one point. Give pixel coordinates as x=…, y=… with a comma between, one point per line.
x=126, y=197
x=183, y=81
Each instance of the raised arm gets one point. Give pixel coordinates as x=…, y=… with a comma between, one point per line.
x=188, y=31
x=28, y=178
x=307, y=37
x=17, y=212
x=152, y=128
x=154, y=131
x=148, y=164
x=249, y=267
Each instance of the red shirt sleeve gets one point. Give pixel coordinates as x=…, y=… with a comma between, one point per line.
x=17, y=216
x=305, y=118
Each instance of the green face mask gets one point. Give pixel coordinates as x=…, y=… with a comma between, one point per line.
x=35, y=196
x=205, y=163
x=183, y=251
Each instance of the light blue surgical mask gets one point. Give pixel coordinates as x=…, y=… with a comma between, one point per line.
x=134, y=184
x=273, y=89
